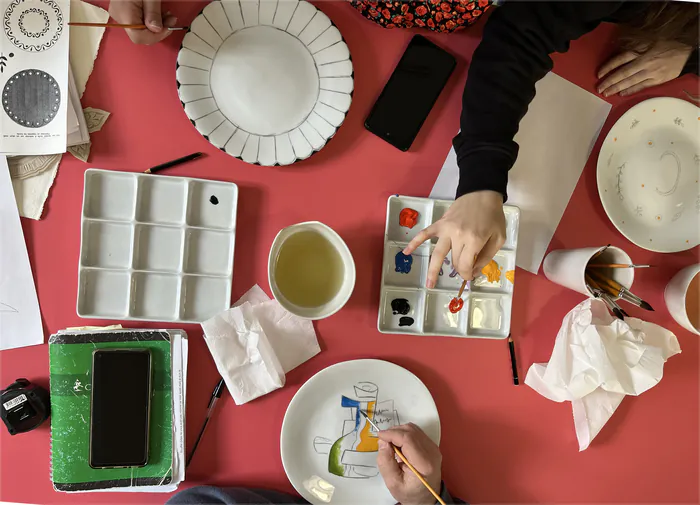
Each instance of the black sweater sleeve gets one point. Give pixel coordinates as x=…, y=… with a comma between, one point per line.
x=512, y=56
x=691, y=66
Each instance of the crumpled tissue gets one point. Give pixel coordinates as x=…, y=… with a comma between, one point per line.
x=255, y=342
x=597, y=360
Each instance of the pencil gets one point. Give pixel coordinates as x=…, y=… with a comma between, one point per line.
x=169, y=164
x=125, y=26
x=513, y=364
x=409, y=465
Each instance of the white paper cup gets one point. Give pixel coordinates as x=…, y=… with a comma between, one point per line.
x=343, y=294
x=675, y=296
x=567, y=267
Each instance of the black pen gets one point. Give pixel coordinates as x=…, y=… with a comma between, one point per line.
x=215, y=395
x=173, y=163
x=513, y=364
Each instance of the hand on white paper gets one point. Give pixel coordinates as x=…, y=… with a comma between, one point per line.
x=421, y=452
x=474, y=228
x=631, y=71
x=143, y=12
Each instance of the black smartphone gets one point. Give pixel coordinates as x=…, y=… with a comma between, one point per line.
x=120, y=408
x=411, y=92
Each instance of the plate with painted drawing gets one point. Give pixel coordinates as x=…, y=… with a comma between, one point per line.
x=267, y=81
x=329, y=450
x=406, y=306
x=649, y=175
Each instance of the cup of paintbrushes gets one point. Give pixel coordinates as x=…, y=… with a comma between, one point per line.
x=568, y=267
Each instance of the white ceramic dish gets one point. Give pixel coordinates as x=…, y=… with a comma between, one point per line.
x=266, y=81
x=343, y=295
x=317, y=421
x=649, y=173
x=487, y=308
x=155, y=248
x=676, y=293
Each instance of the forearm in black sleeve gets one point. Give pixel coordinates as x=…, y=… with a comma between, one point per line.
x=512, y=56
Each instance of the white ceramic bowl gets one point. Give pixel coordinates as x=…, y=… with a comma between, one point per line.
x=343, y=294
x=675, y=295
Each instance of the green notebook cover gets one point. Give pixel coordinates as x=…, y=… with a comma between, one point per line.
x=70, y=365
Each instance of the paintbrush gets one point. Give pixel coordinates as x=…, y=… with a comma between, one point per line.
x=405, y=461
x=173, y=163
x=125, y=26
x=600, y=294
x=619, y=291
x=616, y=265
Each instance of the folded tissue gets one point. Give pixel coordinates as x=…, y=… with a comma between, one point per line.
x=255, y=342
x=597, y=360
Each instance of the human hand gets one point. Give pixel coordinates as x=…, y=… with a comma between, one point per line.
x=142, y=12
x=474, y=227
x=631, y=71
x=421, y=452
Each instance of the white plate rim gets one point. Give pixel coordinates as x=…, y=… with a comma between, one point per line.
x=325, y=138
x=314, y=378
x=601, y=166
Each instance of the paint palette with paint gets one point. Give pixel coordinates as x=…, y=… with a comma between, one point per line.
x=155, y=248
x=406, y=306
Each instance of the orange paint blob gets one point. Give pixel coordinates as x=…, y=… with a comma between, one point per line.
x=510, y=275
x=408, y=217
x=492, y=271
x=650, y=142
x=642, y=185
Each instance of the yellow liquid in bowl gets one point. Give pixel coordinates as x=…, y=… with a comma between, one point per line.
x=309, y=270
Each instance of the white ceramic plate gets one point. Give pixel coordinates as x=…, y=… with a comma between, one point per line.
x=267, y=81
x=649, y=173
x=320, y=434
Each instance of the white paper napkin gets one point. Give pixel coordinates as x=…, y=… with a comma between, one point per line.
x=597, y=360
x=255, y=342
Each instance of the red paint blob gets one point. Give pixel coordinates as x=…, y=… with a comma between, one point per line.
x=408, y=217
x=456, y=305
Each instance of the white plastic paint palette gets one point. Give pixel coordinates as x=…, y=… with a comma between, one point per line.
x=155, y=248
x=487, y=307
x=267, y=81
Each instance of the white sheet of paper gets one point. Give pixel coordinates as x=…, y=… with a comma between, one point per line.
x=35, y=50
x=556, y=137
x=20, y=319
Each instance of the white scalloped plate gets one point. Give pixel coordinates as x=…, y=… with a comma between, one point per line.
x=649, y=175
x=267, y=81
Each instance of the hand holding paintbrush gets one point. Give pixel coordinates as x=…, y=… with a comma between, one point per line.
x=416, y=478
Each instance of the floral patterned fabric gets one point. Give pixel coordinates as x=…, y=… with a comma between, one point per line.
x=437, y=15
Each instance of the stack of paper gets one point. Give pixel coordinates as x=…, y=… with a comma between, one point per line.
x=34, y=77
x=70, y=364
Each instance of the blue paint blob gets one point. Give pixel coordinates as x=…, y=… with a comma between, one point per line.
x=403, y=262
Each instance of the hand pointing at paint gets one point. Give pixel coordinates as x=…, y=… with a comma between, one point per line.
x=474, y=228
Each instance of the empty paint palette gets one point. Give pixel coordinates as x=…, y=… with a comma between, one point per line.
x=155, y=248
x=408, y=307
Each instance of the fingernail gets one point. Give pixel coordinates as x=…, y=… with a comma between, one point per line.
x=600, y=90
x=383, y=444
x=171, y=22
x=430, y=284
x=156, y=24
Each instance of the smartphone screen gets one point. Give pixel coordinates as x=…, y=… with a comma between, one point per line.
x=411, y=92
x=121, y=397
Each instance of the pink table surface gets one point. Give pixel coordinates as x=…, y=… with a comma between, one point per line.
x=500, y=443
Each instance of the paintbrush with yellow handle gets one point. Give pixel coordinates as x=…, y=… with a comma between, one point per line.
x=409, y=465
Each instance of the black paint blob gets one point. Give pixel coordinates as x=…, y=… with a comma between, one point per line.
x=400, y=306
x=214, y=200
x=406, y=321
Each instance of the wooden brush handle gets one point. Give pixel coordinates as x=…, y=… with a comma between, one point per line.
x=605, y=283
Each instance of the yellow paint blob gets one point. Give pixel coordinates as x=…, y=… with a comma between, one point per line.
x=510, y=275
x=492, y=272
